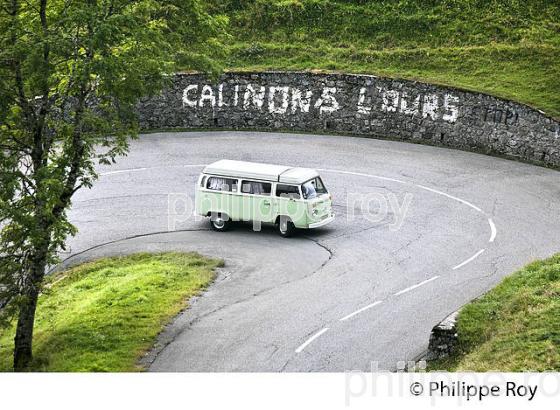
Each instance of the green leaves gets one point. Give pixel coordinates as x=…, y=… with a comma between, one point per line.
x=71, y=73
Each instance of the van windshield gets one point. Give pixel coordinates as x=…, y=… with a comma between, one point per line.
x=313, y=188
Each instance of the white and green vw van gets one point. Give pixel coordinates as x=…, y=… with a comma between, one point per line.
x=285, y=196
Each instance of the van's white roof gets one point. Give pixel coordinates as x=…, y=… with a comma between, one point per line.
x=255, y=170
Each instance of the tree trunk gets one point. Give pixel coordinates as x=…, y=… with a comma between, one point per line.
x=23, y=341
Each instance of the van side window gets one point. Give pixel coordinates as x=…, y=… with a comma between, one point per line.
x=222, y=184
x=287, y=191
x=256, y=187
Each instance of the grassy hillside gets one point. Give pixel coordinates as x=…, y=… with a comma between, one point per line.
x=104, y=315
x=514, y=327
x=506, y=48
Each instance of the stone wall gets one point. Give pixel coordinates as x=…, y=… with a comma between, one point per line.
x=443, y=338
x=356, y=104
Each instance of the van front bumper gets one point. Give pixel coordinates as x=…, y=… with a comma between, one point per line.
x=324, y=222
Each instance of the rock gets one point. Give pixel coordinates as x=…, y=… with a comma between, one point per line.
x=443, y=338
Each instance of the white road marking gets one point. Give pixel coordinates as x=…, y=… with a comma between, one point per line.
x=361, y=310
x=435, y=191
x=124, y=171
x=472, y=258
x=476, y=208
x=494, y=230
x=312, y=338
x=416, y=286
x=362, y=175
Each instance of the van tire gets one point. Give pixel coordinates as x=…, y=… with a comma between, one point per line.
x=220, y=222
x=286, y=227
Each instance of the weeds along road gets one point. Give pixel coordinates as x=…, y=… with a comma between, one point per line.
x=360, y=293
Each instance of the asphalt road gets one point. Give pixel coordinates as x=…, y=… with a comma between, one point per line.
x=419, y=232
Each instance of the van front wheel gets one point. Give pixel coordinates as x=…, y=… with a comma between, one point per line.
x=286, y=227
x=220, y=222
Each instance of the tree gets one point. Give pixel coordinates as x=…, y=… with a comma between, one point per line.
x=71, y=72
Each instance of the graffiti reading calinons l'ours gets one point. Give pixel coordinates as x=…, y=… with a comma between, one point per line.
x=283, y=99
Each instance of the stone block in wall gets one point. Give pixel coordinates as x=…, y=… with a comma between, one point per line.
x=443, y=338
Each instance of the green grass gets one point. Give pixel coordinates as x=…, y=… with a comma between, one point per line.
x=510, y=49
x=104, y=315
x=514, y=327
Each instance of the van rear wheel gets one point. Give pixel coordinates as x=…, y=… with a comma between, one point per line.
x=220, y=222
x=286, y=227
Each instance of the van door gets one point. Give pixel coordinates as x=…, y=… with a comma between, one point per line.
x=256, y=201
x=289, y=203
